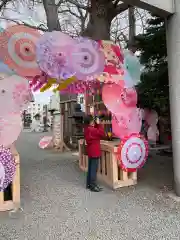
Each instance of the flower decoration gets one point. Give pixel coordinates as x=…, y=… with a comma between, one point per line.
x=37, y=82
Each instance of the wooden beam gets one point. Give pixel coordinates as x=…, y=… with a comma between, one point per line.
x=162, y=8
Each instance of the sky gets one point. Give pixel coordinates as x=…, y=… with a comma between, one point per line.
x=43, y=97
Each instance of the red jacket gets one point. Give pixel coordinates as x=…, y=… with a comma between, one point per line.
x=93, y=135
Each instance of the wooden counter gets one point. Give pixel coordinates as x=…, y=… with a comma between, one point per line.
x=109, y=170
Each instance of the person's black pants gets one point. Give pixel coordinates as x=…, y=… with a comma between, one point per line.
x=92, y=171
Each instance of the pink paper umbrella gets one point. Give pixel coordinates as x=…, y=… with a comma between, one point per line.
x=120, y=122
x=86, y=59
x=53, y=49
x=129, y=97
x=119, y=129
x=10, y=128
x=152, y=118
x=152, y=133
x=112, y=97
x=127, y=122
x=45, y=142
x=135, y=121
x=15, y=94
x=18, y=49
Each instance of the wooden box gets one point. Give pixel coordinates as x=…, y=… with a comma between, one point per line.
x=109, y=170
x=14, y=188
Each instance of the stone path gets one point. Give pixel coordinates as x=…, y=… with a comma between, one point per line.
x=58, y=207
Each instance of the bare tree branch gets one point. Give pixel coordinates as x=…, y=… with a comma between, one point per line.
x=79, y=5
x=120, y=27
x=141, y=17
x=17, y=21
x=71, y=16
x=3, y=3
x=59, y=3
x=66, y=11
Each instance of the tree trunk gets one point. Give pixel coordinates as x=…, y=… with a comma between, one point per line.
x=101, y=14
x=132, y=29
x=51, y=10
x=97, y=28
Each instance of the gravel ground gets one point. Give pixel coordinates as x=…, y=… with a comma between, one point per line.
x=57, y=206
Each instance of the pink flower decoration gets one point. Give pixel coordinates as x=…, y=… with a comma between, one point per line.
x=37, y=82
x=82, y=87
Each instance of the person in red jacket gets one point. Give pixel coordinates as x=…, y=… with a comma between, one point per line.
x=93, y=133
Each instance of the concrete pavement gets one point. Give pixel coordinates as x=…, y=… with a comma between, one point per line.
x=57, y=206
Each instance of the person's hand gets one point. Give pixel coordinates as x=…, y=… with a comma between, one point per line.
x=97, y=121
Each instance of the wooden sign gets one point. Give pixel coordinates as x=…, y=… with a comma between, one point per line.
x=58, y=136
x=57, y=128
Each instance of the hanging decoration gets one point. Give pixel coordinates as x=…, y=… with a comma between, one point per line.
x=56, y=61
x=48, y=85
x=64, y=84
